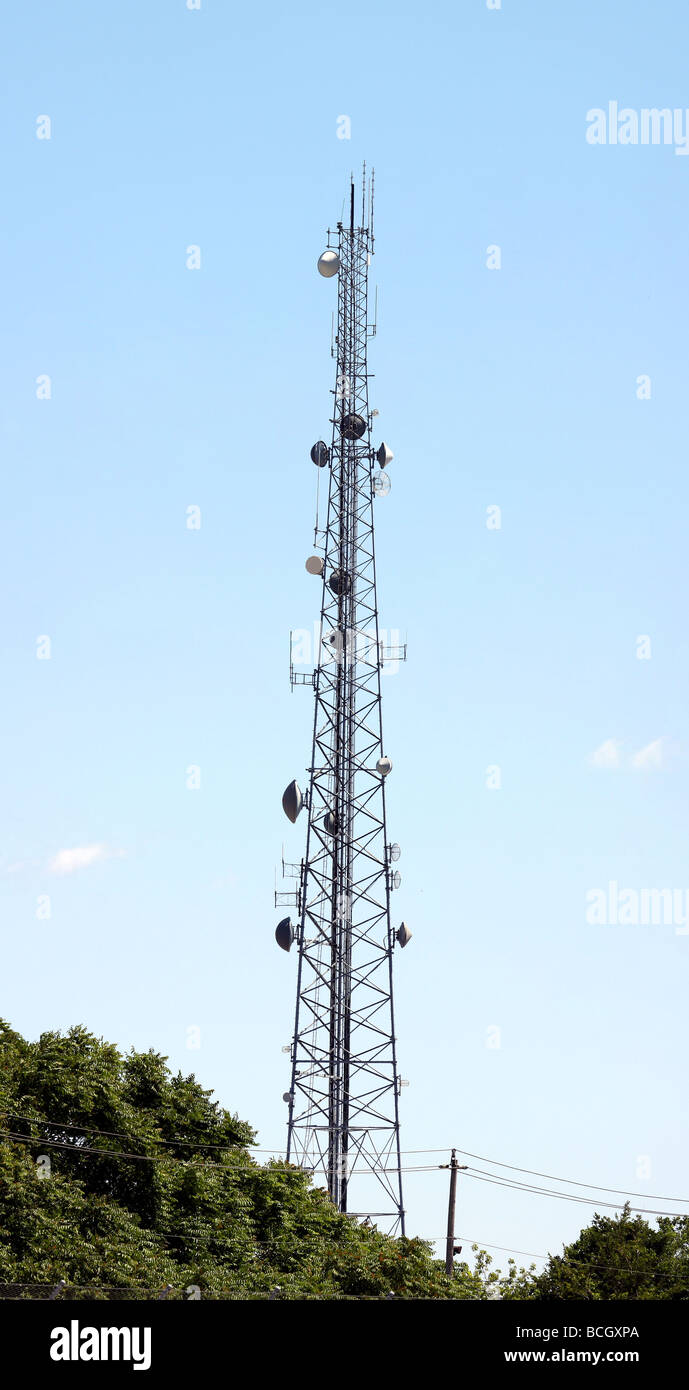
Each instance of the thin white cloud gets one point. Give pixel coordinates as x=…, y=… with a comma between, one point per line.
x=608, y=755
x=651, y=756
x=67, y=861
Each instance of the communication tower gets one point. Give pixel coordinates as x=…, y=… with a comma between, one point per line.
x=344, y=1088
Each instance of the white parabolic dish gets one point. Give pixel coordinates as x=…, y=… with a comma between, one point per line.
x=329, y=264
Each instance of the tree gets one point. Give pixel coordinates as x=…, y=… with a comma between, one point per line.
x=116, y=1174
x=616, y=1257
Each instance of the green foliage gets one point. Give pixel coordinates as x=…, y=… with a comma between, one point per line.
x=151, y=1184
x=616, y=1257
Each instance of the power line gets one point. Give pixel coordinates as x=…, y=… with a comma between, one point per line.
x=480, y=1175
x=76, y=1148
x=238, y=1147
x=572, y=1182
x=146, y=1158
x=121, y=1134
x=569, y=1197
x=566, y=1259
x=533, y=1172
x=153, y=1237
x=233, y=1173
x=234, y=1147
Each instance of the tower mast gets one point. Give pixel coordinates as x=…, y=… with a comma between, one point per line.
x=344, y=1091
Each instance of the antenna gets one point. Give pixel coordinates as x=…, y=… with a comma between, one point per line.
x=318, y=493
x=344, y=1089
x=374, y=326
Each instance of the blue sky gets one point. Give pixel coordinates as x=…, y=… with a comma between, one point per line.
x=514, y=388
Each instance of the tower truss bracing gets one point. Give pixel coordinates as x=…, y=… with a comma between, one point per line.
x=344, y=1090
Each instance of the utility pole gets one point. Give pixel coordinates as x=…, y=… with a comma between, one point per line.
x=451, y=1249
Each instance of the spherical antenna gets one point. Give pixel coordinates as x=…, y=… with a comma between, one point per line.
x=353, y=426
x=285, y=934
x=403, y=934
x=320, y=453
x=384, y=766
x=381, y=484
x=340, y=582
x=292, y=801
x=328, y=264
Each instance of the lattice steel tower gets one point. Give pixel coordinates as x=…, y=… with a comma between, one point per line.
x=344, y=1091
